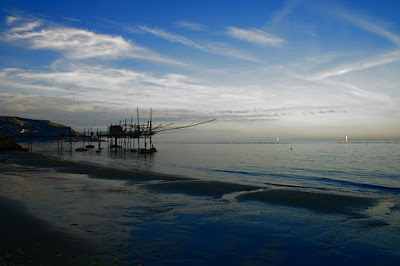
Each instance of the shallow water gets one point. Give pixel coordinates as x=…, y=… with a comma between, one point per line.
x=364, y=167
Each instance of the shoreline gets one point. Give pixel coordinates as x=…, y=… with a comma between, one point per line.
x=275, y=194
x=167, y=183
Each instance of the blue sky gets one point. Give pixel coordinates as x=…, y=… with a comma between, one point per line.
x=294, y=69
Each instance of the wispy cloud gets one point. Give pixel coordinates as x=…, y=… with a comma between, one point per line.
x=101, y=84
x=70, y=19
x=171, y=37
x=79, y=44
x=255, y=36
x=288, y=7
x=191, y=25
x=227, y=50
x=385, y=58
x=358, y=92
x=209, y=47
x=28, y=26
x=121, y=88
x=370, y=26
x=11, y=19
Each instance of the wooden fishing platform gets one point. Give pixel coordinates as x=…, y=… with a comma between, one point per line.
x=132, y=137
x=123, y=136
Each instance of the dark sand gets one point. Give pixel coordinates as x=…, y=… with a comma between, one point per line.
x=59, y=212
x=26, y=239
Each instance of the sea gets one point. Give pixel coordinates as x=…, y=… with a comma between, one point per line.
x=364, y=167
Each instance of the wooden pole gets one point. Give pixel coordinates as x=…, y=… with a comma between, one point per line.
x=98, y=139
x=70, y=139
x=138, y=128
x=84, y=136
x=151, y=122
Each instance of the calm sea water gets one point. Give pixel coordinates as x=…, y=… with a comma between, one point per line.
x=365, y=167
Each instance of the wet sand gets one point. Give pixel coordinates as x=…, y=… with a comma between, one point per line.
x=56, y=212
x=26, y=239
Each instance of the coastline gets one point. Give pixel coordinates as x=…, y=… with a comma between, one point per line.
x=143, y=217
x=276, y=194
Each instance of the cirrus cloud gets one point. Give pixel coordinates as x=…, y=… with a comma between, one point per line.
x=191, y=25
x=209, y=47
x=171, y=37
x=255, y=36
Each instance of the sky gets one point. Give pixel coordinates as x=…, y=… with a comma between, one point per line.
x=297, y=69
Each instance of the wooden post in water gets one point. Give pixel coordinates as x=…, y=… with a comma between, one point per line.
x=108, y=134
x=70, y=139
x=151, y=118
x=83, y=139
x=145, y=137
x=98, y=139
x=124, y=130
x=138, y=129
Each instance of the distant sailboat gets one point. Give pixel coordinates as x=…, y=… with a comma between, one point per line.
x=277, y=139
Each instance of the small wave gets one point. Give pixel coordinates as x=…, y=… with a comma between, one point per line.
x=360, y=173
x=238, y=172
x=313, y=178
x=357, y=184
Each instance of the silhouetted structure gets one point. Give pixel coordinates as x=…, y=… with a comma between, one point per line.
x=123, y=136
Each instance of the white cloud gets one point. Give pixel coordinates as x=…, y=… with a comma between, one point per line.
x=209, y=47
x=10, y=20
x=76, y=43
x=227, y=50
x=359, y=93
x=27, y=26
x=85, y=87
x=255, y=36
x=171, y=37
x=382, y=59
x=121, y=87
x=191, y=25
x=371, y=27
x=288, y=7
x=115, y=86
x=80, y=44
x=70, y=19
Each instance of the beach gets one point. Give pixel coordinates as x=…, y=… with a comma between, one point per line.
x=55, y=211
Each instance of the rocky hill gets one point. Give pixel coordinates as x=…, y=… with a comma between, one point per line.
x=41, y=130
